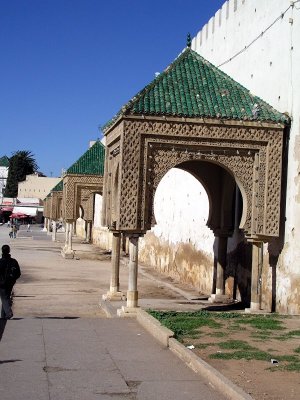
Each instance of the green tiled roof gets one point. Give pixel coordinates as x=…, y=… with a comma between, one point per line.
x=91, y=162
x=193, y=87
x=58, y=187
x=4, y=161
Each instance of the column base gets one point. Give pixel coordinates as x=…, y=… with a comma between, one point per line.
x=114, y=296
x=255, y=309
x=68, y=254
x=219, y=298
x=127, y=312
x=132, y=298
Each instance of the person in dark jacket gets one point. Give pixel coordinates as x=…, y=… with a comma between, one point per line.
x=9, y=273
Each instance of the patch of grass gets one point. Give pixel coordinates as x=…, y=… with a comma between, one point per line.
x=288, y=357
x=234, y=327
x=235, y=344
x=218, y=334
x=226, y=315
x=204, y=345
x=185, y=323
x=293, y=366
x=262, y=336
x=239, y=355
x=297, y=350
x=289, y=335
x=262, y=322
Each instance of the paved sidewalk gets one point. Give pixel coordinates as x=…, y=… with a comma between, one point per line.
x=60, y=345
x=89, y=359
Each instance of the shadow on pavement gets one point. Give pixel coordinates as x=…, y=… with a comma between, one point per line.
x=2, y=327
x=56, y=317
x=8, y=361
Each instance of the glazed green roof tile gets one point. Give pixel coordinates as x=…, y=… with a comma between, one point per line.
x=91, y=162
x=192, y=87
x=4, y=161
x=58, y=187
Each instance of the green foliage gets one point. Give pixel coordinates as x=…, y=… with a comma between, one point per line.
x=240, y=354
x=204, y=345
x=265, y=322
x=235, y=344
x=218, y=334
x=289, y=335
x=185, y=323
x=297, y=350
x=293, y=366
x=21, y=163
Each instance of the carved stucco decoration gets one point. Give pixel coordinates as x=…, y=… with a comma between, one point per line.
x=141, y=150
x=73, y=185
x=47, y=205
x=87, y=202
x=56, y=205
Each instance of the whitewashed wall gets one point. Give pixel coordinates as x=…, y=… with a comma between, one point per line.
x=180, y=244
x=270, y=68
x=3, y=179
x=100, y=234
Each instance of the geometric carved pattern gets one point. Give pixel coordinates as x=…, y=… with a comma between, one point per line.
x=148, y=147
x=73, y=185
x=55, y=205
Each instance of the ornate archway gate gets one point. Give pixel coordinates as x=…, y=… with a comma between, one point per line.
x=81, y=181
x=78, y=190
x=192, y=112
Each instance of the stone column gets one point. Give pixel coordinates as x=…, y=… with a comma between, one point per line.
x=67, y=251
x=257, y=263
x=132, y=292
x=48, y=226
x=220, y=296
x=54, y=231
x=45, y=224
x=114, y=292
x=221, y=264
x=88, y=231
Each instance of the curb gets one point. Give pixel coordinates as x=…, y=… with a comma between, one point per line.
x=109, y=310
x=154, y=327
x=166, y=337
x=221, y=383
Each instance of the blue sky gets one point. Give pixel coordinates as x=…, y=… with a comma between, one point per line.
x=67, y=66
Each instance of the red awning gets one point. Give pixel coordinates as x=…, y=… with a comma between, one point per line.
x=7, y=208
x=18, y=215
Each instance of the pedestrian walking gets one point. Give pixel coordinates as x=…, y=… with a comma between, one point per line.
x=9, y=273
x=14, y=231
x=11, y=233
x=28, y=227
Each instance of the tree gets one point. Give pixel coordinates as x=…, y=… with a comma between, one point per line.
x=21, y=163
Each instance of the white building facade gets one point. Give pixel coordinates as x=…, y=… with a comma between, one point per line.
x=255, y=42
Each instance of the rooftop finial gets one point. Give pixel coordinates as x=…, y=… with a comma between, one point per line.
x=188, y=40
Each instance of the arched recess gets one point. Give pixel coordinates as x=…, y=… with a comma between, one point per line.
x=220, y=186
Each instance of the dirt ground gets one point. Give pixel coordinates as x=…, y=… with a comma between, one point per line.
x=261, y=379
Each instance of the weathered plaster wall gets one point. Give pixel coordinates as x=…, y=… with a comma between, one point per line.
x=80, y=228
x=270, y=68
x=3, y=179
x=100, y=234
x=180, y=244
